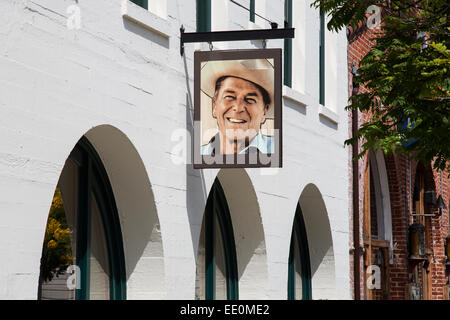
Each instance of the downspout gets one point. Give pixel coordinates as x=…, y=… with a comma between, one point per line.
x=355, y=180
x=356, y=244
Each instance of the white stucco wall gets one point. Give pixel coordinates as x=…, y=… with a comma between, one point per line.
x=57, y=84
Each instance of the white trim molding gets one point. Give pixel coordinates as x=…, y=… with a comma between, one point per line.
x=328, y=113
x=145, y=19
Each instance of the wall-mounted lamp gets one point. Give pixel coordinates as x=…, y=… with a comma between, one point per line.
x=416, y=241
x=355, y=85
x=447, y=248
x=440, y=204
x=354, y=70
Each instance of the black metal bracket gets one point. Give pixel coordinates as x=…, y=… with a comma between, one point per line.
x=238, y=35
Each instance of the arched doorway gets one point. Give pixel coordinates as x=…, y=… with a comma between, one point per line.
x=320, y=244
x=420, y=268
x=217, y=275
x=238, y=200
x=377, y=229
x=249, y=233
x=142, y=233
x=299, y=267
x=90, y=216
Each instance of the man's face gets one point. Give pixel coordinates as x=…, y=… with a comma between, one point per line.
x=239, y=109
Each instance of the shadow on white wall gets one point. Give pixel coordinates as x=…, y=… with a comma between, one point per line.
x=144, y=256
x=320, y=243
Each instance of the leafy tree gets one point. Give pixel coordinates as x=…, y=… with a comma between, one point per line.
x=405, y=76
x=57, y=251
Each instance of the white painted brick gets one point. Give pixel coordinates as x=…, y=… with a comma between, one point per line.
x=56, y=84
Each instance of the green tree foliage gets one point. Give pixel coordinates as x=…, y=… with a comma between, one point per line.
x=56, y=252
x=405, y=74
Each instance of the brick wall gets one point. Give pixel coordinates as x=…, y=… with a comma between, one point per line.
x=401, y=174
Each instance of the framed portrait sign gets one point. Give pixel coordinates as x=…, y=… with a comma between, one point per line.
x=237, y=108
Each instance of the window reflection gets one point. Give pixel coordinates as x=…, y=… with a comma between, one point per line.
x=298, y=269
x=99, y=264
x=220, y=268
x=59, y=247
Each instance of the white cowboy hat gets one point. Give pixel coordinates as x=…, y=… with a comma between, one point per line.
x=259, y=71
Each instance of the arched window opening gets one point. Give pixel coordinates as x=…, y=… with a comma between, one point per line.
x=377, y=233
x=217, y=276
x=57, y=252
x=373, y=207
x=377, y=211
x=92, y=262
x=423, y=205
x=299, y=272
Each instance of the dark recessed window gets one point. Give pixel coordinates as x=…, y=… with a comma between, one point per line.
x=252, y=11
x=142, y=3
x=322, y=60
x=203, y=15
x=288, y=44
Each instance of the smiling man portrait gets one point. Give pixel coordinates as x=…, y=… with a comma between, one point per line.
x=241, y=93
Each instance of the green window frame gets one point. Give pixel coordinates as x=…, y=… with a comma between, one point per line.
x=93, y=177
x=203, y=15
x=217, y=208
x=322, y=59
x=93, y=180
x=141, y=3
x=252, y=11
x=299, y=235
x=288, y=44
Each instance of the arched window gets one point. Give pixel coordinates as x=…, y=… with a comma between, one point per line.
x=90, y=215
x=423, y=204
x=377, y=225
x=217, y=274
x=299, y=269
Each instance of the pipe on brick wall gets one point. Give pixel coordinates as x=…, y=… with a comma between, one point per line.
x=355, y=196
x=356, y=243
x=407, y=200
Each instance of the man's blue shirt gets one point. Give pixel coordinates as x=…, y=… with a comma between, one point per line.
x=261, y=143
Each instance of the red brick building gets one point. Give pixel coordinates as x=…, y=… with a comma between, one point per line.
x=395, y=221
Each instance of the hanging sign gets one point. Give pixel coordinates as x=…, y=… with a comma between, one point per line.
x=237, y=108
